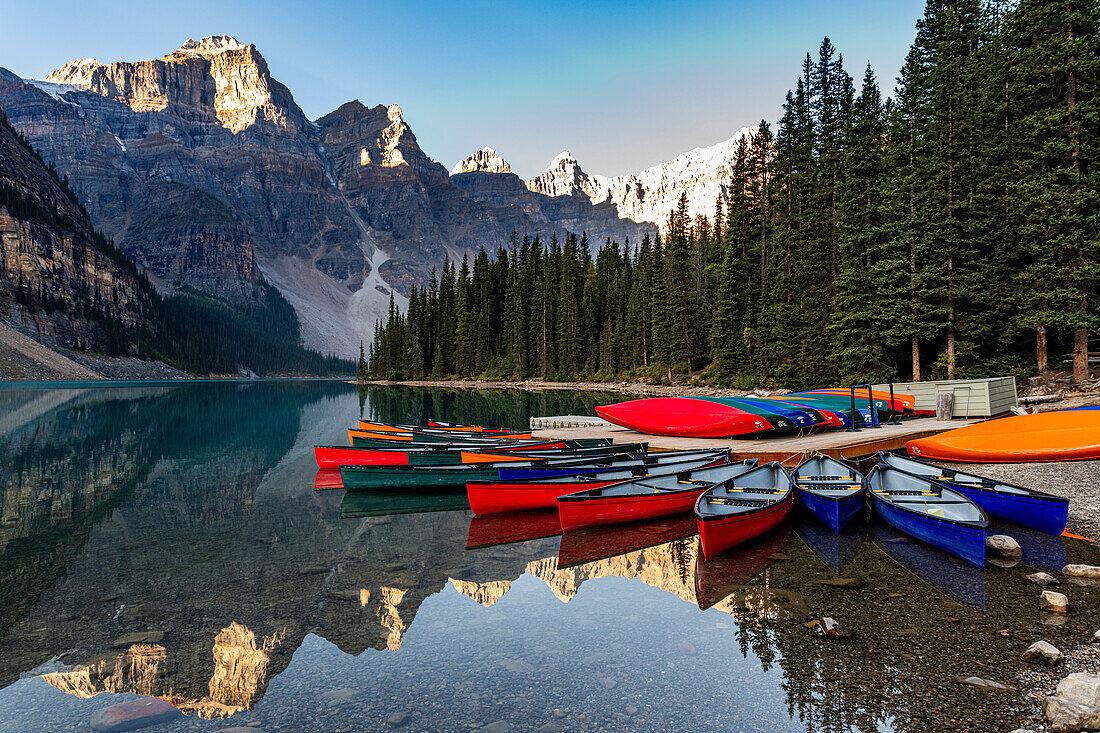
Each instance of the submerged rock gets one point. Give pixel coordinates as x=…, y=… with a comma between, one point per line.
x=1053, y=602
x=842, y=582
x=134, y=715
x=1044, y=653
x=1042, y=578
x=984, y=684
x=1082, y=571
x=1003, y=546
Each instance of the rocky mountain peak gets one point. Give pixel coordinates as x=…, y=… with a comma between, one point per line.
x=563, y=177
x=76, y=73
x=217, y=77
x=485, y=160
x=212, y=45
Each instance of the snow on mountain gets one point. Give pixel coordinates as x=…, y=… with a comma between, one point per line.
x=651, y=195
x=486, y=159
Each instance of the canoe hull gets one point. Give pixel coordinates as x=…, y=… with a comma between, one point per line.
x=616, y=509
x=1047, y=515
x=336, y=456
x=1071, y=435
x=835, y=513
x=494, y=497
x=967, y=543
x=723, y=533
x=683, y=417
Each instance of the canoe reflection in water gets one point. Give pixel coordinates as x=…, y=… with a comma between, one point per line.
x=955, y=577
x=603, y=541
x=487, y=530
x=381, y=503
x=836, y=549
x=718, y=577
x=1046, y=551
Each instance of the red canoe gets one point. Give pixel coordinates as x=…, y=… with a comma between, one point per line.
x=735, y=511
x=645, y=498
x=491, y=497
x=683, y=417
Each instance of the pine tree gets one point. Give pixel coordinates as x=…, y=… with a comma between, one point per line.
x=1055, y=90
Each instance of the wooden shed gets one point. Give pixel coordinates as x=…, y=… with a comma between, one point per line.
x=973, y=397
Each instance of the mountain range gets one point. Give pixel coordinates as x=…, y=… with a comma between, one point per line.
x=203, y=169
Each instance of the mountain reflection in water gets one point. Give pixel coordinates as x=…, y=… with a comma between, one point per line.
x=168, y=541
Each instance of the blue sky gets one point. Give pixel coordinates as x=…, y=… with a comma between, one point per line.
x=623, y=85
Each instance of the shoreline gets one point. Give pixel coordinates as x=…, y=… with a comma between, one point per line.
x=538, y=385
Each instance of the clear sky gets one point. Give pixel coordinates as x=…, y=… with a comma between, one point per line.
x=623, y=85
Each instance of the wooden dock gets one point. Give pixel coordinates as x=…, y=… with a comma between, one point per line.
x=788, y=450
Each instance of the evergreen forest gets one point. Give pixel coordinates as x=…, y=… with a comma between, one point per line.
x=948, y=229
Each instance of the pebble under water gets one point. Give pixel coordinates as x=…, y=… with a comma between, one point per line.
x=168, y=541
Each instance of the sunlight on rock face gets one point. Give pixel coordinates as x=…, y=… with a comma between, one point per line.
x=135, y=671
x=240, y=672
x=364, y=596
x=485, y=594
x=390, y=618
x=364, y=157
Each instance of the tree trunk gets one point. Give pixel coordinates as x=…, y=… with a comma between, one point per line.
x=1041, y=348
x=1080, y=355
x=916, y=359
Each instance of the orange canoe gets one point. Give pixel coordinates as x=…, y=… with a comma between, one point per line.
x=1070, y=435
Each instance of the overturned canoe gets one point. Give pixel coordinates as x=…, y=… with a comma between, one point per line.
x=643, y=498
x=736, y=511
x=929, y=511
x=830, y=490
x=1026, y=507
x=1067, y=435
x=691, y=417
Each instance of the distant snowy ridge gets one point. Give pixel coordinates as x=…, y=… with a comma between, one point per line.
x=701, y=173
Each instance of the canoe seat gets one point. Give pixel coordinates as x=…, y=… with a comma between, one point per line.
x=847, y=477
x=739, y=502
x=925, y=501
x=826, y=484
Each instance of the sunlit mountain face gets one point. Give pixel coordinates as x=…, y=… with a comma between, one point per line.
x=168, y=542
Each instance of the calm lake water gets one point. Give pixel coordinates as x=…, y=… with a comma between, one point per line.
x=169, y=541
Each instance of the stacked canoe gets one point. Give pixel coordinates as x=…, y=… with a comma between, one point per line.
x=721, y=417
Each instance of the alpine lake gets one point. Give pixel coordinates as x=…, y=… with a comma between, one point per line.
x=168, y=540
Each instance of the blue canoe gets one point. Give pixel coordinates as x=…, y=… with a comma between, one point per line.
x=830, y=490
x=1025, y=507
x=929, y=511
